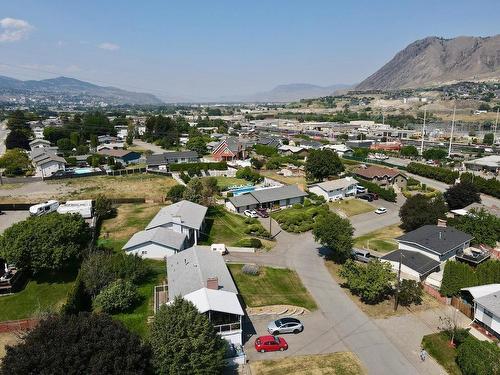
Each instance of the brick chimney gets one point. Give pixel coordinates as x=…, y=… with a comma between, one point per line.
x=441, y=223
x=213, y=283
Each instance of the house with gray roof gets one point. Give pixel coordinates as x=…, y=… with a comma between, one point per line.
x=184, y=217
x=201, y=276
x=46, y=162
x=335, y=189
x=156, y=243
x=162, y=161
x=486, y=306
x=424, y=250
x=282, y=196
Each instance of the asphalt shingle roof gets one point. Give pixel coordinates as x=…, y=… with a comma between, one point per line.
x=490, y=302
x=332, y=185
x=161, y=236
x=414, y=260
x=169, y=156
x=191, y=215
x=438, y=239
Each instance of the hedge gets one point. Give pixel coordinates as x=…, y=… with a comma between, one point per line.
x=487, y=186
x=386, y=194
x=196, y=167
x=436, y=173
x=459, y=275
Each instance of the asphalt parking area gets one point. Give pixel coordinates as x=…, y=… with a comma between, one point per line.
x=11, y=217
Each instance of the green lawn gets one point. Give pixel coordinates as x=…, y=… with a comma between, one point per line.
x=273, y=286
x=224, y=182
x=223, y=226
x=136, y=320
x=437, y=345
x=381, y=240
x=44, y=293
x=352, y=207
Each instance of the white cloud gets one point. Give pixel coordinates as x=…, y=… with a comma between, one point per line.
x=109, y=46
x=13, y=30
x=73, y=69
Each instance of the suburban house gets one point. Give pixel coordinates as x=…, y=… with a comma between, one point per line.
x=46, y=162
x=111, y=146
x=340, y=149
x=381, y=176
x=292, y=150
x=156, y=243
x=183, y=217
x=269, y=141
x=230, y=148
x=307, y=144
x=123, y=156
x=39, y=143
x=202, y=277
x=283, y=196
x=162, y=161
x=486, y=299
x=423, y=250
x=490, y=163
x=335, y=189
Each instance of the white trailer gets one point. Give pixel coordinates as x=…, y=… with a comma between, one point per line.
x=82, y=207
x=44, y=208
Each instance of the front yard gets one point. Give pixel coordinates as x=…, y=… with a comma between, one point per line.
x=273, y=286
x=437, y=345
x=299, y=218
x=381, y=240
x=351, y=207
x=339, y=363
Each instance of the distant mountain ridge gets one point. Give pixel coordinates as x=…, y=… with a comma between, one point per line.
x=433, y=61
x=293, y=92
x=72, y=86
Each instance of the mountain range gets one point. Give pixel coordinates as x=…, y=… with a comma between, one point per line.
x=74, y=87
x=434, y=61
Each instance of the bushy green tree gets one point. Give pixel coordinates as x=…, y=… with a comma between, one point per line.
x=372, y=283
x=17, y=139
x=120, y=295
x=410, y=292
x=483, y=226
x=103, y=207
x=197, y=144
x=78, y=344
x=335, y=233
x=437, y=173
x=476, y=357
x=321, y=164
x=457, y=275
x=420, y=210
x=16, y=162
x=183, y=341
x=248, y=174
x=489, y=138
x=48, y=242
x=409, y=151
x=461, y=195
x=176, y=192
x=435, y=154
x=257, y=163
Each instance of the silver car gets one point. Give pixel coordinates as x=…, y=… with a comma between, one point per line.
x=285, y=325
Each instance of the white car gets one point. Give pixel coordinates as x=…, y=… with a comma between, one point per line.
x=251, y=213
x=381, y=210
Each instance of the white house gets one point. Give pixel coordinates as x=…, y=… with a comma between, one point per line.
x=487, y=306
x=157, y=243
x=46, y=162
x=201, y=276
x=183, y=217
x=340, y=149
x=283, y=196
x=335, y=189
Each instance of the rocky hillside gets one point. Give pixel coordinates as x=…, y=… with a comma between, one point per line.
x=433, y=61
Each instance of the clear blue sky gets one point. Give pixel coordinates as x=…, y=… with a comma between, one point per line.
x=218, y=48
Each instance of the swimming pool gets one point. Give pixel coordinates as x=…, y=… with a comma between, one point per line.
x=242, y=190
x=83, y=170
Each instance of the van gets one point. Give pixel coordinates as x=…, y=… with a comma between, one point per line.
x=44, y=208
x=219, y=248
x=362, y=255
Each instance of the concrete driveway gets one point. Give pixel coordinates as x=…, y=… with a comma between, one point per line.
x=370, y=221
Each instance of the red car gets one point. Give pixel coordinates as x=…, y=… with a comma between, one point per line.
x=270, y=344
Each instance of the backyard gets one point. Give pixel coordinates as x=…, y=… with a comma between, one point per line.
x=225, y=182
x=339, y=363
x=381, y=240
x=44, y=293
x=298, y=180
x=272, y=286
x=129, y=219
x=351, y=207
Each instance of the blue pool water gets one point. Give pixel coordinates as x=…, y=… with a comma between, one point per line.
x=242, y=190
x=83, y=170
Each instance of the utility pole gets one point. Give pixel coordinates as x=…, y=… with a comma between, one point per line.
x=452, y=127
x=396, y=297
x=423, y=134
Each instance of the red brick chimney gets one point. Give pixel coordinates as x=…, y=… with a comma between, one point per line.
x=213, y=283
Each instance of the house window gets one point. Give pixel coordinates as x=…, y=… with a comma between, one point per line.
x=144, y=252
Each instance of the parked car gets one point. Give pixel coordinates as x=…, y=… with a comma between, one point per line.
x=381, y=210
x=360, y=189
x=285, y=325
x=262, y=212
x=366, y=197
x=63, y=173
x=362, y=255
x=270, y=344
x=373, y=195
x=251, y=213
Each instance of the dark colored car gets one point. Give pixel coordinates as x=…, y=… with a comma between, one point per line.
x=373, y=195
x=270, y=344
x=366, y=197
x=62, y=173
x=262, y=212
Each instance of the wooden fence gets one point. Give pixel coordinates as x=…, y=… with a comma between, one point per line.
x=463, y=307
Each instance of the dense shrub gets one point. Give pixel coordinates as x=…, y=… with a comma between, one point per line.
x=265, y=150
x=248, y=174
x=459, y=275
x=250, y=269
x=78, y=299
x=486, y=186
x=184, y=177
x=198, y=167
x=297, y=220
x=257, y=230
x=118, y=296
x=387, y=194
x=175, y=193
x=437, y=173
x=476, y=357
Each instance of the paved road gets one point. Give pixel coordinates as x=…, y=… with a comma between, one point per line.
x=149, y=146
x=370, y=221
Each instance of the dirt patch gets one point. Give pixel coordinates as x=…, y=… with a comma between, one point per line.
x=276, y=310
x=9, y=338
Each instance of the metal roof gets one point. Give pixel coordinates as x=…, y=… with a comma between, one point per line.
x=435, y=238
x=169, y=156
x=189, y=270
x=160, y=235
x=278, y=193
x=482, y=290
x=490, y=302
x=191, y=215
x=215, y=300
x=332, y=185
x=414, y=260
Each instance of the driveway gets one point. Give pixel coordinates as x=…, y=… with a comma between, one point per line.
x=370, y=221
x=149, y=146
x=12, y=217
